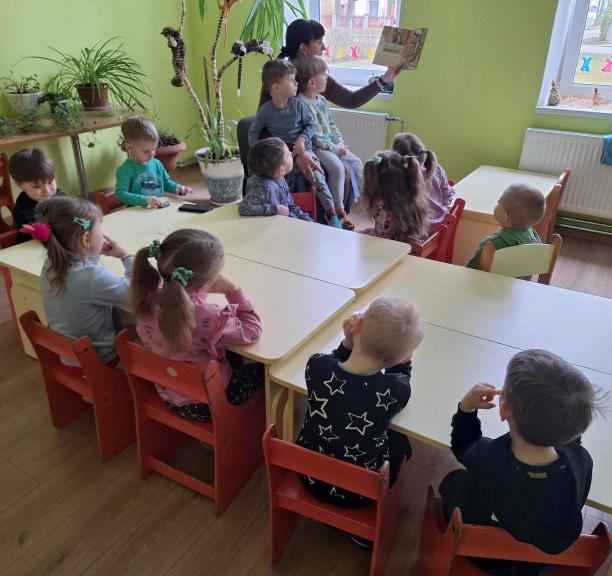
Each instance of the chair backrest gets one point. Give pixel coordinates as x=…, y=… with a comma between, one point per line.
x=287, y=456
x=242, y=131
x=546, y=227
x=108, y=202
x=522, y=260
x=145, y=369
x=6, y=195
x=307, y=201
x=434, y=246
x=446, y=542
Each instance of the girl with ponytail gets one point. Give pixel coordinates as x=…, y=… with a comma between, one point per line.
x=174, y=319
x=439, y=192
x=78, y=293
x=394, y=196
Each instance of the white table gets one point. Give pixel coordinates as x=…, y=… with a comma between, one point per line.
x=340, y=257
x=481, y=190
x=445, y=366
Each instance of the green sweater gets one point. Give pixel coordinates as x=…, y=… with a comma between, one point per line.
x=504, y=238
x=135, y=182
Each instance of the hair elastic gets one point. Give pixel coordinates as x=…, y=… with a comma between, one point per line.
x=38, y=231
x=155, y=249
x=84, y=223
x=183, y=275
x=377, y=159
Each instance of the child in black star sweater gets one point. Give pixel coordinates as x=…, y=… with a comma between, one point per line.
x=351, y=402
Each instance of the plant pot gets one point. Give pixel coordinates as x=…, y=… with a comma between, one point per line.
x=224, y=178
x=93, y=97
x=59, y=109
x=21, y=102
x=168, y=155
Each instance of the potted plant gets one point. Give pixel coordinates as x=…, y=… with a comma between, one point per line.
x=22, y=92
x=218, y=159
x=97, y=72
x=59, y=104
x=169, y=147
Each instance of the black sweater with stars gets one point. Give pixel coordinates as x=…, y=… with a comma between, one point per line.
x=348, y=415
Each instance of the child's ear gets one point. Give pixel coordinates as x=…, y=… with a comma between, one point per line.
x=357, y=325
x=504, y=410
x=86, y=240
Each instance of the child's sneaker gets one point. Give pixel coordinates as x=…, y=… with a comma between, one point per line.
x=333, y=221
x=346, y=223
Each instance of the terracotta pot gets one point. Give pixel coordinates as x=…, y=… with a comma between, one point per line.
x=168, y=155
x=224, y=178
x=92, y=97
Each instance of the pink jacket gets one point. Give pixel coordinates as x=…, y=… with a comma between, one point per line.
x=237, y=324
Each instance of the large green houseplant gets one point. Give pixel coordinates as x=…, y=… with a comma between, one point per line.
x=263, y=34
x=97, y=71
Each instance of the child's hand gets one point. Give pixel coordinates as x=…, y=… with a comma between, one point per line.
x=154, y=202
x=342, y=150
x=222, y=285
x=282, y=210
x=480, y=396
x=299, y=147
x=183, y=190
x=347, y=328
x=111, y=248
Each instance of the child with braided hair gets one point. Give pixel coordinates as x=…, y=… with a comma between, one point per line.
x=395, y=197
x=174, y=319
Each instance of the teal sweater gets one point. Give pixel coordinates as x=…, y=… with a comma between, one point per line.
x=504, y=238
x=135, y=182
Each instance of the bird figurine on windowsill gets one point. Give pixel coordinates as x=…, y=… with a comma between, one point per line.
x=597, y=97
x=554, y=98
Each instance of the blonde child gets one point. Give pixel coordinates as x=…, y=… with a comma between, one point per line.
x=175, y=320
x=141, y=179
x=34, y=173
x=439, y=192
x=351, y=401
x=78, y=293
x=518, y=209
x=328, y=143
x=534, y=480
x=394, y=195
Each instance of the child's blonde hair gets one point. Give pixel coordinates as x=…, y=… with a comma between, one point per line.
x=68, y=219
x=408, y=144
x=308, y=67
x=138, y=129
x=392, y=330
x=396, y=182
x=186, y=260
x=524, y=204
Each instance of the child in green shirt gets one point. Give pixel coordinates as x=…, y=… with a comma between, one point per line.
x=518, y=209
x=142, y=180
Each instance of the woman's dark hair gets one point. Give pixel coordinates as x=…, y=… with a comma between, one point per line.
x=300, y=31
x=396, y=183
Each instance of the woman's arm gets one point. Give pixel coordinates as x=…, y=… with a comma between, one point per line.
x=337, y=94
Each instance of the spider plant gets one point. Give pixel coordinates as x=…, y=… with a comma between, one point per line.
x=102, y=65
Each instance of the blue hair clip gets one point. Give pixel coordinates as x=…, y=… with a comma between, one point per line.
x=377, y=159
x=84, y=223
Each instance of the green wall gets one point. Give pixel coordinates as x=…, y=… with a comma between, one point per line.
x=471, y=99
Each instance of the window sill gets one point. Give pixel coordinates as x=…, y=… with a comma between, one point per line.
x=562, y=110
x=379, y=96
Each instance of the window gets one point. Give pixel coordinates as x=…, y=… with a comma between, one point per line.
x=353, y=29
x=580, y=56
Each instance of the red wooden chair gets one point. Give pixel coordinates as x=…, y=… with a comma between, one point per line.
x=450, y=221
x=108, y=202
x=72, y=390
x=234, y=432
x=307, y=201
x=546, y=227
x=446, y=548
x=8, y=232
x=434, y=247
x=289, y=500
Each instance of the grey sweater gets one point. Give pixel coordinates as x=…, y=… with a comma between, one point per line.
x=285, y=123
x=263, y=195
x=85, y=305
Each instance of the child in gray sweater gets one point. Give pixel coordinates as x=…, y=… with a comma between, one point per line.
x=267, y=192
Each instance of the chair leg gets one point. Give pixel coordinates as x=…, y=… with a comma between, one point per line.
x=282, y=526
x=155, y=440
x=64, y=404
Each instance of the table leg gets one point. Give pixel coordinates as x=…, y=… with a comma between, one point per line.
x=78, y=160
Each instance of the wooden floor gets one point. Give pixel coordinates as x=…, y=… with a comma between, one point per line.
x=64, y=512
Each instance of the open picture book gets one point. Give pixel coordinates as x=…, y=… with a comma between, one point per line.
x=400, y=46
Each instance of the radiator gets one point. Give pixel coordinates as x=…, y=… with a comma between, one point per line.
x=364, y=132
x=589, y=190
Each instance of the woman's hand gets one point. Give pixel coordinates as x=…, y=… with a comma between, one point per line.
x=392, y=73
x=308, y=165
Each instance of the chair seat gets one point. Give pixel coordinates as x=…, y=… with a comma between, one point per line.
x=156, y=409
x=294, y=497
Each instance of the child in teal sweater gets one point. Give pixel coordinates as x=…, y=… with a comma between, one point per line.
x=142, y=180
x=518, y=209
